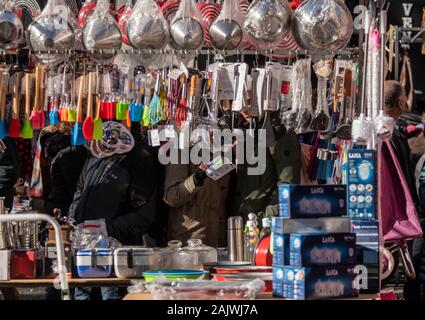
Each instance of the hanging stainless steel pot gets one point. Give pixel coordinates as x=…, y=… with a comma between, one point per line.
x=225, y=34
x=147, y=32
x=47, y=33
x=187, y=34
x=101, y=36
x=267, y=22
x=11, y=30
x=323, y=25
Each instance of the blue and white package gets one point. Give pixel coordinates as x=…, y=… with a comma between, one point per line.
x=320, y=225
x=367, y=240
x=307, y=201
x=307, y=250
x=278, y=287
x=319, y=282
x=94, y=263
x=280, y=249
x=361, y=184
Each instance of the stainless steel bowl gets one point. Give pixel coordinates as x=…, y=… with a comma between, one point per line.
x=147, y=32
x=45, y=34
x=267, y=22
x=225, y=34
x=322, y=25
x=11, y=30
x=187, y=34
x=102, y=36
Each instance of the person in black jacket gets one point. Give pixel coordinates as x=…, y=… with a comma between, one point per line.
x=120, y=188
x=9, y=171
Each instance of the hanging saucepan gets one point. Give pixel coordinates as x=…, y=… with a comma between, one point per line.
x=11, y=29
x=322, y=25
x=186, y=33
x=225, y=34
x=267, y=22
x=101, y=35
x=50, y=32
x=147, y=32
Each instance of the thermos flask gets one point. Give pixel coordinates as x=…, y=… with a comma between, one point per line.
x=235, y=238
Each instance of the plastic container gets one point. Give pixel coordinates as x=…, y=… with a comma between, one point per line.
x=205, y=253
x=94, y=263
x=175, y=257
x=267, y=277
x=174, y=274
x=132, y=262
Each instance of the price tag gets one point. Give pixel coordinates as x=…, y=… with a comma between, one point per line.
x=169, y=131
x=154, y=138
x=184, y=70
x=175, y=74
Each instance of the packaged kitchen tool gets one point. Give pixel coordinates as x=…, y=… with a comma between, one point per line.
x=314, y=283
x=147, y=27
x=361, y=184
x=94, y=263
x=186, y=29
x=322, y=249
x=5, y=256
x=51, y=268
x=312, y=201
x=131, y=262
x=319, y=225
x=226, y=32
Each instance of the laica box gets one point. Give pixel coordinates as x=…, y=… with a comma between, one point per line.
x=318, y=282
x=361, y=184
x=280, y=249
x=306, y=201
x=307, y=250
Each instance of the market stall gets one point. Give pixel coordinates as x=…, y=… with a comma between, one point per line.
x=177, y=73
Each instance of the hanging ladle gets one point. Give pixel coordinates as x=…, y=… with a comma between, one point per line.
x=321, y=118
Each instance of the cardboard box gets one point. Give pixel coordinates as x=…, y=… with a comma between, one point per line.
x=5, y=265
x=308, y=250
x=307, y=201
x=280, y=249
x=361, y=184
x=320, y=225
x=318, y=282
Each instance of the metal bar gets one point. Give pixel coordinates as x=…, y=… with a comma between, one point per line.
x=397, y=53
x=59, y=243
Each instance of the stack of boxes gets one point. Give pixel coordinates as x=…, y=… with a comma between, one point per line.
x=323, y=233
x=314, y=250
x=361, y=197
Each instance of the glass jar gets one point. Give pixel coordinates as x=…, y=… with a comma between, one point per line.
x=205, y=253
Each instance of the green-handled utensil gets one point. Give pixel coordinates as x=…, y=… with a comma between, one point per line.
x=27, y=131
x=97, y=123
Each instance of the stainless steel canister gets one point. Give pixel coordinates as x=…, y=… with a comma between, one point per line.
x=235, y=238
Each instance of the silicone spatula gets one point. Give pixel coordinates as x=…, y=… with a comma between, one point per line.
x=37, y=114
x=3, y=128
x=27, y=131
x=88, y=125
x=14, y=126
x=77, y=137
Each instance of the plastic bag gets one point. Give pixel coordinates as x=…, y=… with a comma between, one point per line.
x=226, y=32
x=267, y=22
x=186, y=29
x=52, y=30
x=147, y=27
x=186, y=289
x=93, y=234
x=101, y=34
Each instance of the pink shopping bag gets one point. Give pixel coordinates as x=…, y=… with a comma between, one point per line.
x=399, y=217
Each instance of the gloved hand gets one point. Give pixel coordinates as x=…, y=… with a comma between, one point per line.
x=200, y=175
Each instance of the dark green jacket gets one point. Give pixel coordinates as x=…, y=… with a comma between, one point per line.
x=258, y=193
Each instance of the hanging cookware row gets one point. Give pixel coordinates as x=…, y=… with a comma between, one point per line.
x=183, y=25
